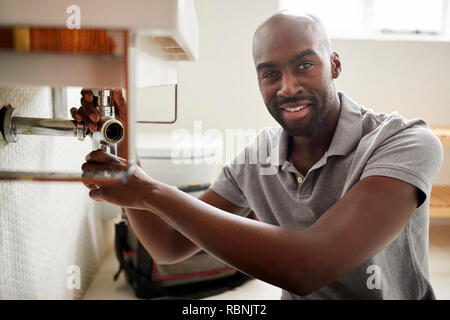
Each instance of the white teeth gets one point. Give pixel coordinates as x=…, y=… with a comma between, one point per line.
x=294, y=109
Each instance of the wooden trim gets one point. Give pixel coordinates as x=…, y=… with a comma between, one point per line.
x=443, y=133
x=91, y=41
x=125, y=141
x=440, y=202
x=21, y=39
x=6, y=38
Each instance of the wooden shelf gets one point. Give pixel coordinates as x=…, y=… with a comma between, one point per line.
x=440, y=202
x=443, y=134
x=169, y=27
x=440, y=195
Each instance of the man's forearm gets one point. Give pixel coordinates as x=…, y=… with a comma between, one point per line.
x=232, y=238
x=163, y=242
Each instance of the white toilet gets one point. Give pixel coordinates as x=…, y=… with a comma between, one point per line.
x=188, y=162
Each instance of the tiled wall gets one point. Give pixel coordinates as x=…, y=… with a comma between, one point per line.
x=46, y=227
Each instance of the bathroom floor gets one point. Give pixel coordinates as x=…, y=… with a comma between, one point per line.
x=104, y=288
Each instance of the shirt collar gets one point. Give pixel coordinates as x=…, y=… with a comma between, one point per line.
x=346, y=136
x=349, y=128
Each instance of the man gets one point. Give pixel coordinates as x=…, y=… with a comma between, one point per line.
x=342, y=192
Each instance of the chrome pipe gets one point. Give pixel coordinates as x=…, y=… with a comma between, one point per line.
x=103, y=101
x=111, y=130
x=48, y=127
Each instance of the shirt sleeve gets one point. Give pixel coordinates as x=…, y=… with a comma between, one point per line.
x=413, y=155
x=227, y=184
x=236, y=176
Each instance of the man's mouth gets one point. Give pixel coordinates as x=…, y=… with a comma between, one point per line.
x=294, y=112
x=295, y=109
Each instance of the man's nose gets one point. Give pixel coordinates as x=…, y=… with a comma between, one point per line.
x=290, y=86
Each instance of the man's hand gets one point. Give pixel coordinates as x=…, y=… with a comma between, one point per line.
x=132, y=194
x=88, y=114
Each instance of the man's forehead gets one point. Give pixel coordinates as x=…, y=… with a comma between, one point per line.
x=282, y=33
x=283, y=20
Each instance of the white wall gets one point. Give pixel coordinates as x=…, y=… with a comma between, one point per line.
x=222, y=84
x=405, y=76
x=410, y=77
x=221, y=88
x=45, y=227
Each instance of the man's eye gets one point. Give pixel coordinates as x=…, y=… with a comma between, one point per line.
x=305, y=66
x=270, y=75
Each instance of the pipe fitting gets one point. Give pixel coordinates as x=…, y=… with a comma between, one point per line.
x=11, y=124
x=7, y=127
x=111, y=131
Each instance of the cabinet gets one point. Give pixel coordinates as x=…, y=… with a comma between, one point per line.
x=123, y=44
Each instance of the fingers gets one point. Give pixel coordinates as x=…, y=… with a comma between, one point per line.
x=100, y=156
x=87, y=113
x=90, y=186
x=119, y=102
x=75, y=115
x=79, y=115
x=90, y=115
x=86, y=119
x=87, y=94
x=96, y=194
x=96, y=161
x=92, y=167
x=118, y=99
x=88, y=107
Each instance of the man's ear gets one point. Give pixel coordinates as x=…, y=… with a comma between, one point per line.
x=336, y=66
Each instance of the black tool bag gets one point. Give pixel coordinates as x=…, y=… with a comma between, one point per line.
x=197, y=277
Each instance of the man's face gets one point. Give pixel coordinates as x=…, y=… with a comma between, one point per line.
x=295, y=77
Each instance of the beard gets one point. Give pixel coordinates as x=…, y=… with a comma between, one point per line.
x=319, y=108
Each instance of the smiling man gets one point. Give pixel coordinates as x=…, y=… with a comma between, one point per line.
x=342, y=192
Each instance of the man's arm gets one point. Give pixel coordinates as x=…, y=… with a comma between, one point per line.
x=367, y=219
x=164, y=243
x=363, y=222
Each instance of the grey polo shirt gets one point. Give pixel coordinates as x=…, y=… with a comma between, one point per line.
x=364, y=144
